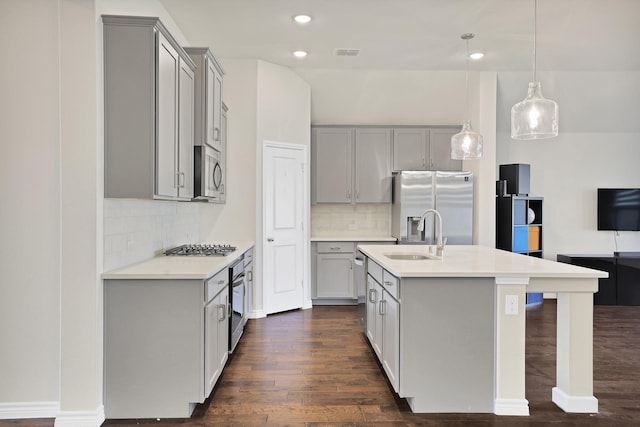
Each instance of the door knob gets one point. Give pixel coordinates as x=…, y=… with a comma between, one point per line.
x=270, y=239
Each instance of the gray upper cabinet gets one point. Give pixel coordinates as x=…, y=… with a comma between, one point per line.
x=351, y=165
x=208, y=97
x=440, y=147
x=424, y=148
x=373, y=165
x=410, y=149
x=149, y=102
x=332, y=165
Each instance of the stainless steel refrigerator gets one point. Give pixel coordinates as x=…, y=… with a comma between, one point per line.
x=450, y=193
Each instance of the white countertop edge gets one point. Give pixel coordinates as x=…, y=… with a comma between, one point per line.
x=354, y=239
x=474, y=261
x=178, y=267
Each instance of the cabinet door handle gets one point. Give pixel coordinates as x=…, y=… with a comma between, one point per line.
x=381, y=309
x=216, y=134
x=250, y=276
x=229, y=310
x=372, y=296
x=423, y=162
x=357, y=194
x=221, y=312
x=348, y=194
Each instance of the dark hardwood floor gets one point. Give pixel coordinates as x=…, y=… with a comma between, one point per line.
x=315, y=368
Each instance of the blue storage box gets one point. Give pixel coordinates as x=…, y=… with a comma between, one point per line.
x=520, y=239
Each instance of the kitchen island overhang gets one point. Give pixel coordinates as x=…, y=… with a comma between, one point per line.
x=487, y=287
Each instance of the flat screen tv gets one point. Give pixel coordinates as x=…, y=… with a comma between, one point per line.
x=619, y=209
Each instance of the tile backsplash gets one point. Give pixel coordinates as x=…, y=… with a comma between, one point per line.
x=346, y=220
x=135, y=230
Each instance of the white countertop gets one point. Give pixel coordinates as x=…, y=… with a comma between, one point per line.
x=472, y=261
x=354, y=239
x=179, y=267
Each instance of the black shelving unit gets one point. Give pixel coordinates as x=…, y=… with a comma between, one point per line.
x=516, y=233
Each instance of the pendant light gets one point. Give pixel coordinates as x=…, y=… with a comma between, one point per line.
x=535, y=117
x=466, y=144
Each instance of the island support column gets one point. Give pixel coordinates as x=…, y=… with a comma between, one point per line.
x=510, y=346
x=574, y=365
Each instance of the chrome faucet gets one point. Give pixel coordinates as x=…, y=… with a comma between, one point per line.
x=439, y=241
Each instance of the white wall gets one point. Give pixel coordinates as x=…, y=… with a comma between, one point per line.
x=30, y=208
x=397, y=97
x=598, y=146
x=266, y=102
x=235, y=220
x=284, y=115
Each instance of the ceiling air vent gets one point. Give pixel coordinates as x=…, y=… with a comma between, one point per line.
x=347, y=52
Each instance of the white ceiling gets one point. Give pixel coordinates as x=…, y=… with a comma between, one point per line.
x=585, y=35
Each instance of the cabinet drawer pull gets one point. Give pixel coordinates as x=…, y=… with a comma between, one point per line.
x=335, y=248
x=388, y=283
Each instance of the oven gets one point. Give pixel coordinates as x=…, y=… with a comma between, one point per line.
x=237, y=296
x=208, y=176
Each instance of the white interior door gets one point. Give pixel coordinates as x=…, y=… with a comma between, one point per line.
x=284, y=215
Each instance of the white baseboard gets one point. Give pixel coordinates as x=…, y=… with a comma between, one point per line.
x=518, y=407
x=256, y=314
x=307, y=304
x=578, y=404
x=19, y=410
x=80, y=418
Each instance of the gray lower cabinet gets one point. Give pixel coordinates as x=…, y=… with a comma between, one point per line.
x=424, y=148
x=165, y=345
x=350, y=165
x=334, y=270
x=148, y=119
x=333, y=273
x=383, y=319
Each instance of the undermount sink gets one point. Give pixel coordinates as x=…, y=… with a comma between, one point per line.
x=409, y=257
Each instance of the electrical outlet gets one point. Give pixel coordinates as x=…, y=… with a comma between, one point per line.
x=511, y=305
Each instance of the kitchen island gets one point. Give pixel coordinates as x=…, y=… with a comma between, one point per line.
x=450, y=330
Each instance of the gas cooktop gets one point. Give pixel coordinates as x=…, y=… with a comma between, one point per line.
x=201, y=250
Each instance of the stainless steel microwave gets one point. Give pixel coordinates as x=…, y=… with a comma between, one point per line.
x=208, y=174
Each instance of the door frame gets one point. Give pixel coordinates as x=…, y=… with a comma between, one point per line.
x=306, y=226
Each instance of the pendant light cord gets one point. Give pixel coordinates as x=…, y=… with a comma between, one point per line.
x=466, y=114
x=535, y=27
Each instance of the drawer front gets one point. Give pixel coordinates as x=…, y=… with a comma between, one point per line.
x=214, y=285
x=336, y=247
x=374, y=270
x=391, y=284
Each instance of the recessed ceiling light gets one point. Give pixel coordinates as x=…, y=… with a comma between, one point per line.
x=302, y=19
x=299, y=53
x=476, y=55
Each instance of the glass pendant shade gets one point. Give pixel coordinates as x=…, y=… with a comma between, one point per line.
x=535, y=117
x=466, y=144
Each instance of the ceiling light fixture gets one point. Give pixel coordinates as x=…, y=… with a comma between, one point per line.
x=302, y=19
x=476, y=55
x=535, y=117
x=466, y=144
x=299, y=53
